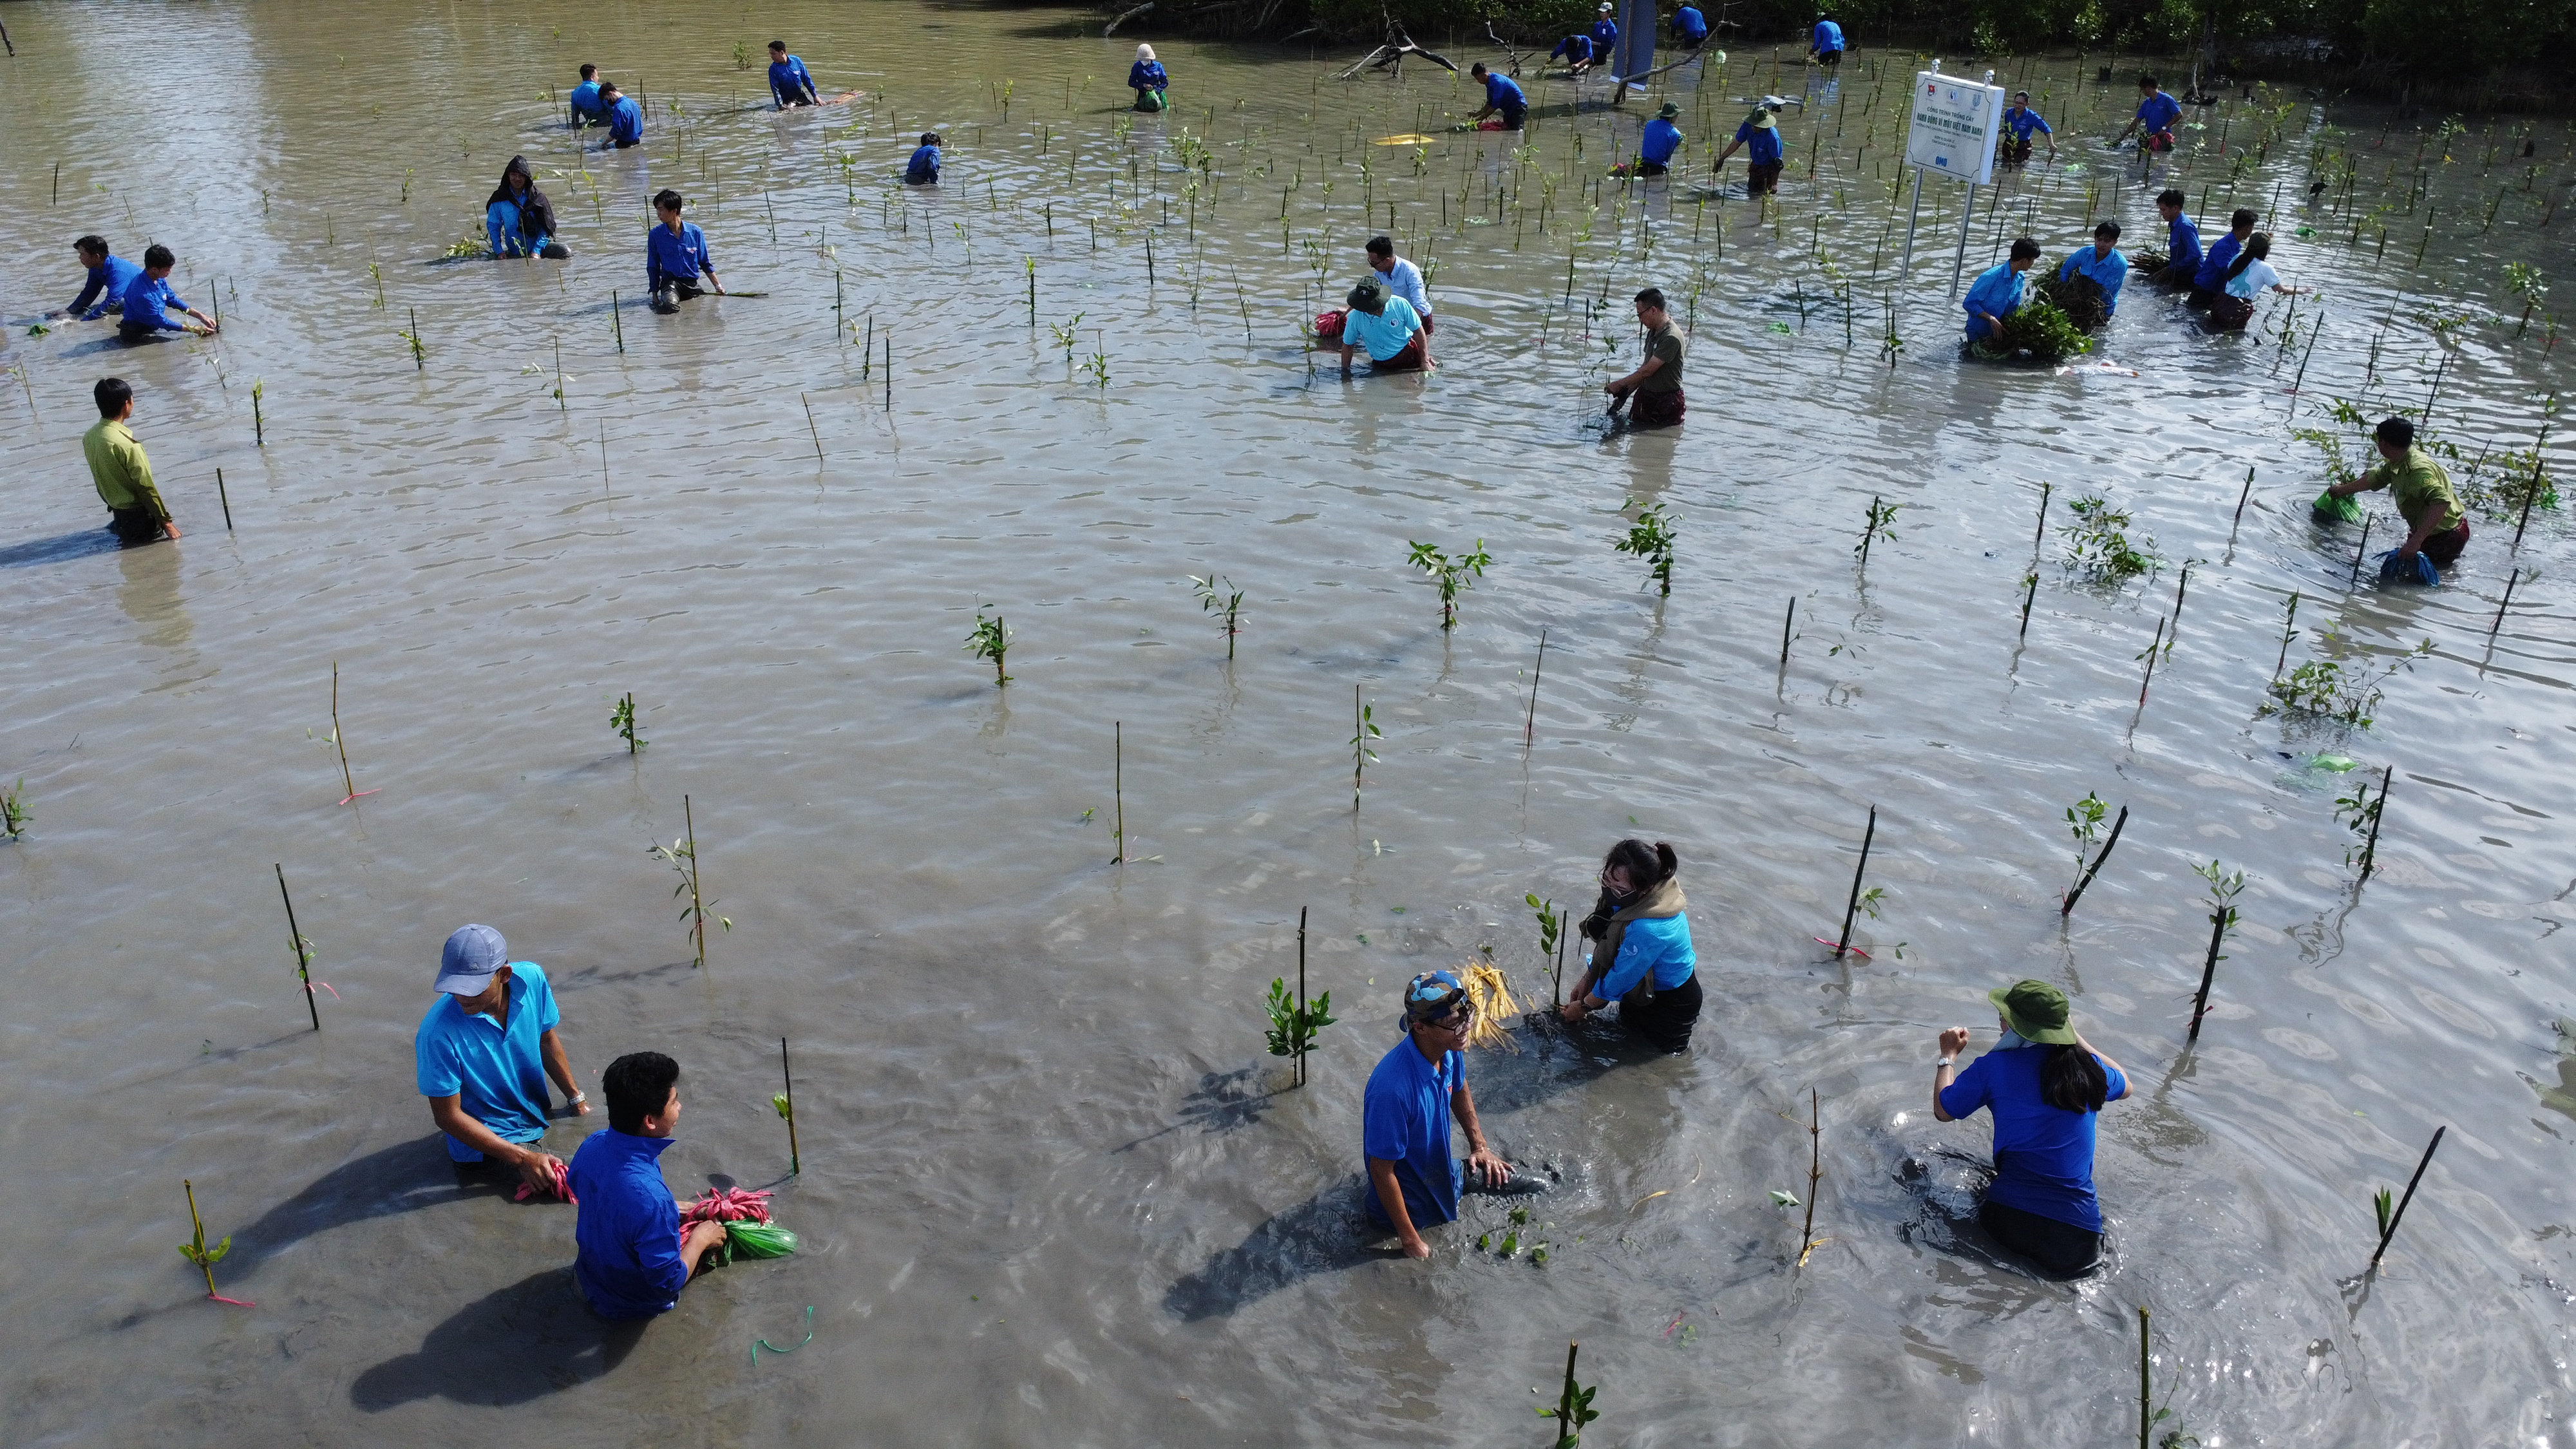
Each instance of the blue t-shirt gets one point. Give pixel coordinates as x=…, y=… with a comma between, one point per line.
x=2182, y=244
x=790, y=81
x=109, y=281
x=492, y=1065
x=1761, y=143
x=2043, y=1154
x=1661, y=140
x=1658, y=943
x=1575, y=48
x=1504, y=95
x=2107, y=271
x=1385, y=334
x=2158, y=112
x=2023, y=121
x=1404, y=1119
x=626, y=122
x=1689, y=24
x=681, y=258
x=585, y=101
x=1997, y=290
x=626, y=1240
x=2211, y=276
x=1829, y=36
x=923, y=168
x=148, y=300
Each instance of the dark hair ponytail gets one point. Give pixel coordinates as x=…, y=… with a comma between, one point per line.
x=1647, y=865
x=2257, y=247
x=2071, y=1080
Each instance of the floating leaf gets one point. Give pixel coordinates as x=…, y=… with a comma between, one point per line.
x=1784, y=1199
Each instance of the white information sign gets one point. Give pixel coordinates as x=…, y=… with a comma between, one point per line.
x=1955, y=126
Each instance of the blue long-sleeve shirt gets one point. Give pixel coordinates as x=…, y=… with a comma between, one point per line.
x=1605, y=37
x=1997, y=290
x=627, y=1238
x=585, y=102
x=107, y=286
x=1660, y=944
x=2023, y=120
x=626, y=122
x=2213, y=267
x=2108, y=271
x=1147, y=75
x=1689, y=24
x=2182, y=244
x=681, y=258
x=1504, y=94
x=1661, y=140
x=1829, y=36
x=149, y=302
x=923, y=168
x=790, y=81
x=1574, y=49
x=2158, y=112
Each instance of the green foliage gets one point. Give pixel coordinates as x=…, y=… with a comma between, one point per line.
x=2326, y=689
x=2338, y=467
x=682, y=856
x=2078, y=296
x=2098, y=542
x=2040, y=328
x=2498, y=488
x=1573, y=1409
x=1455, y=576
x=990, y=639
x=2084, y=819
x=1364, y=729
x=1551, y=929
x=1065, y=333
x=203, y=1256
x=1651, y=539
x=14, y=815
x=742, y=55
x=1880, y=525
x=2223, y=889
x=2381, y=1202
x=786, y=1110
x=472, y=246
x=1226, y=600
x=622, y=721
x=2525, y=282
x=2360, y=811
x=1292, y=1027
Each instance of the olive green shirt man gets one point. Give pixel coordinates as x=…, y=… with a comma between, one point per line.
x=124, y=477
x=2424, y=496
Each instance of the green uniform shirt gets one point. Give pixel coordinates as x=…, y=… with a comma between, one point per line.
x=1664, y=342
x=2418, y=483
x=118, y=467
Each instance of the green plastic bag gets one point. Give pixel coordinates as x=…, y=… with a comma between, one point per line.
x=2341, y=510
x=759, y=1240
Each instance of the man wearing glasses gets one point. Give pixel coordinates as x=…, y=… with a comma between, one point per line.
x=1417, y=1087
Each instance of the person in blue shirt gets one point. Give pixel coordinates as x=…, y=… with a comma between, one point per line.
x=1405, y=280
x=2182, y=240
x=1405, y=1111
x=1576, y=51
x=584, y=101
x=2156, y=112
x=625, y=118
x=790, y=83
x=483, y=1054
x=109, y=277
x=1386, y=327
x=1690, y=27
x=2045, y=1085
x=1656, y=145
x=149, y=301
x=1147, y=79
x=1605, y=36
x=923, y=168
x=675, y=256
x=1760, y=136
x=630, y=1258
x=1504, y=100
x=2021, y=120
x=2211, y=279
x=2103, y=262
x=1827, y=41
x=517, y=218
x=1641, y=948
x=1997, y=292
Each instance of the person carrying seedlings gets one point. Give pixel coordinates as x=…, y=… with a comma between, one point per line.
x=2182, y=240
x=2021, y=120
x=1416, y=1088
x=584, y=102
x=109, y=277
x=1147, y=80
x=1656, y=145
x=122, y=474
x=790, y=83
x=675, y=256
x=2210, y=281
x=1576, y=51
x=149, y=301
x=2045, y=1086
x=2103, y=263
x=625, y=118
x=2247, y=278
x=630, y=1257
x=1505, y=103
x=518, y=219
x=1605, y=35
x=1402, y=279
x=2157, y=113
x=923, y=168
x=1827, y=40
x=1690, y=28
x=1641, y=948
x=1997, y=292
x=1656, y=386
x=1387, y=327
x=483, y=1053
x=1760, y=136
x=2437, y=528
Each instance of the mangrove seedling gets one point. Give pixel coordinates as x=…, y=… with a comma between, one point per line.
x=14, y=815
x=2084, y=822
x=1551, y=931
x=303, y=948
x=622, y=720
x=258, y=426
x=1065, y=333
x=1219, y=596
x=990, y=640
x=1853, y=909
x=1295, y=1022
x=785, y=1103
x=195, y=1249
x=1098, y=366
x=2325, y=689
x=1455, y=576
x=1877, y=525
x=1651, y=539
x=1573, y=1405
x=2381, y=1202
x=1815, y=1173
x=2098, y=542
x=2084, y=817
x=1363, y=729
x=2525, y=282
x=682, y=855
x=2223, y=888
x=2361, y=810
x=2388, y=1229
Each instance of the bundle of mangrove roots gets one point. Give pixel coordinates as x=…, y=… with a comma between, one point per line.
x=1491, y=995
x=2039, y=330
x=2079, y=297
x=2150, y=263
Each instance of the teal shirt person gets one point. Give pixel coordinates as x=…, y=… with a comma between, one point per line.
x=494, y=1067
x=1997, y=290
x=2108, y=269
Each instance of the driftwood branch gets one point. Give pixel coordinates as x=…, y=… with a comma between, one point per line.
x=1124, y=16
x=1392, y=52
x=1619, y=94
x=1510, y=55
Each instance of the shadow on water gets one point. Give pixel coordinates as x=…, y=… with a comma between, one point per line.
x=1553, y=1058
x=399, y=1179
x=61, y=548
x=1327, y=1233
x=512, y=1346
x=1222, y=1102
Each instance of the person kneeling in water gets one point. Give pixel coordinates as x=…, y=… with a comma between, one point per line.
x=1404, y=1118
x=518, y=219
x=1386, y=326
x=923, y=168
x=1641, y=953
x=675, y=256
x=630, y=1257
x=2045, y=1085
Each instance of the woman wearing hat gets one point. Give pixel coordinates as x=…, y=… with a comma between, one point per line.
x=1760, y=135
x=1147, y=79
x=2045, y=1084
x=1386, y=325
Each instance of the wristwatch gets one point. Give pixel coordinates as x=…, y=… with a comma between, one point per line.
x=580, y=1099
x=1945, y=1061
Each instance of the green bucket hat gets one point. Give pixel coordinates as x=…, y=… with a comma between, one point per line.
x=2036, y=1011
x=1670, y=110
x=1369, y=297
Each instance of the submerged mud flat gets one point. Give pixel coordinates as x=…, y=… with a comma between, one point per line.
x=1052, y=1189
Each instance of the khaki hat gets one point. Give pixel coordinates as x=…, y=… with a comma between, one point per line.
x=2036, y=1011
x=1761, y=120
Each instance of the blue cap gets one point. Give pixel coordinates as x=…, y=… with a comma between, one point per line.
x=1432, y=995
x=473, y=953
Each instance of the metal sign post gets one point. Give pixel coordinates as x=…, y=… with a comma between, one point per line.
x=1953, y=132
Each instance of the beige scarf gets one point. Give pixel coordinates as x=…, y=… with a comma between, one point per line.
x=1662, y=902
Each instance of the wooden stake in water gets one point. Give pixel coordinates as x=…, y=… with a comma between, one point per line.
x=1859, y=870
x=2362, y=552
x=2400, y=1215
x=2040, y=534
x=2242, y=494
x=1815, y=1173
x=2370, y=847
x=795, y=1160
x=1529, y=727
x=226, y=500
x=2152, y=651
x=2534, y=491
x=2029, y=596
x=295, y=943
x=2068, y=907
x=2289, y=618
x=1788, y=622
x=1301, y=987
x=2146, y=1392
x=616, y=327
x=810, y=428
x=2509, y=582
x=603, y=456
x=345, y=778
x=697, y=910
x=1118, y=787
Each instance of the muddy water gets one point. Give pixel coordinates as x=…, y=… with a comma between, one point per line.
x=1052, y=1191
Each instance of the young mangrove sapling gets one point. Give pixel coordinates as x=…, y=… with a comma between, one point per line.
x=14, y=815
x=1454, y=576
x=682, y=855
x=2223, y=889
x=1363, y=729
x=1651, y=539
x=1294, y=1021
x=622, y=720
x=990, y=640
x=1877, y=525
x=1573, y=1406
x=1217, y=595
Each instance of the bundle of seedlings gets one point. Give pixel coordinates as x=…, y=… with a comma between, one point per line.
x=1491, y=996
x=2079, y=297
x=2039, y=332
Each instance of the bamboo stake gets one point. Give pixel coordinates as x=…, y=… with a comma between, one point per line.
x=2370, y=847
x=2360, y=553
x=2208, y=970
x=197, y=1226
x=811, y=429
x=2534, y=491
x=226, y=499
x=1301, y=989
x=295, y=943
x=2400, y=1215
x=2288, y=619
x=1786, y=624
x=2029, y=596
x=2151, y=664
x=2146, y=1393
x=1815, y=1173
x=1118, y=785
x=697, y=901
x=1853, y=908
x=2242, y=494
x=795, y=1160
x=1529, y=727
x=2509, y=582
x=342, y=745
x=2040, y=535
x=615, y=326
x=2068, y=907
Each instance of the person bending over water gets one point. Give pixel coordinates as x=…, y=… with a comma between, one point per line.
x=1997, y=292
x=923, y=168
x=2182, y=240
x=1417, y=1088
x=2244, y=282
x=675, y=256
x=1656, y=145
x=1576, y=51
x=2436, y=526
x=149, y=301
x=109, y=277
x=1656, y=386
x=630, y=1257
x=2210, y=280
x=2045, y=1086
x=1505, y=103
x=2102, y=263
x=790, y=83
x=1386, y=326
x=517, y=218
x=1641, y=953
x=625, y=118
x=1147, y=80
x=483, y=1054
x=1403, y=279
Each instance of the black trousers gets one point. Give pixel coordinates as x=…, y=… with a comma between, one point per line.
x=1664, y=1019
x=2060, y=1250
x=136, y=525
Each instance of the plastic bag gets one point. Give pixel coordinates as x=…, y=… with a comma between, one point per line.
x=2338, y=508
x=2416, y=570
x=759, y=1240
x=1328, y=326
